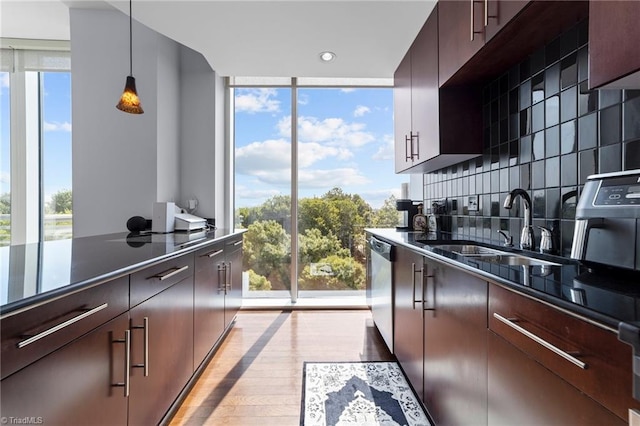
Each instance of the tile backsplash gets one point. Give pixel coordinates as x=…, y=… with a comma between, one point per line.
x=545, y=132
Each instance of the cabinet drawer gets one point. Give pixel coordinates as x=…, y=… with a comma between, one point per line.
x=233, y=244
x=212, y=253
x=154, y=279
x=590, y=358
x=29, y=335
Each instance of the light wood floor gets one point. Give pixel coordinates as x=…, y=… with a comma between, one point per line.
x=255, y=378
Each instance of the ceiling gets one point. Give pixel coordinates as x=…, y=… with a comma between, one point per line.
x=255, y=38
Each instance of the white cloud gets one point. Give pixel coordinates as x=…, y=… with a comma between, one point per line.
x=4, y=80
x=330, y=178
x=386, y=150
x=5, y=177
x=256, y=100
x=54, y=126
x=255, y=194
x=361, y=110
x=330, y=131
x=347, y=90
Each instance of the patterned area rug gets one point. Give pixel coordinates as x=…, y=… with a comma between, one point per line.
x=358, y=393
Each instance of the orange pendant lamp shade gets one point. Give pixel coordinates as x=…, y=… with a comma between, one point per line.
x=129, y=101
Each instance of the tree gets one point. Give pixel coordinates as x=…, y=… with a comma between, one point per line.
x=258, y=282
x=5, y=203
x=267, y=251
x=314, y=246
x=387, y=215
x=334, y=273
x=61, y=202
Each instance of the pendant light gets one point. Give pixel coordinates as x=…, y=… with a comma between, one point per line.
x=129, y=101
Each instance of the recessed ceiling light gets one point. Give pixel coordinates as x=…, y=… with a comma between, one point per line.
x=327, y=56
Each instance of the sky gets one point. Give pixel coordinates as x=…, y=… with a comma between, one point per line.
x=56, y=129
x=345, y=140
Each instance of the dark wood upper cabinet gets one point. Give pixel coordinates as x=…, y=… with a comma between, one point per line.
x=613, y=44
x=434, y=127
x=499, y=13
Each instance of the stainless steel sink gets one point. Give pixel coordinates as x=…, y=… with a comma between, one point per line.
x=487, y=254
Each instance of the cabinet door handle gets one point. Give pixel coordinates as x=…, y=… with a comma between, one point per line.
x=541, y=341
x=413, y=286
x=424, y=294
x=212, y=254
x=486, y=12
x=472, y=26
x=60, y=326
x=145, y=350
x=221, y=281
x=237, y=243
x=415, y=136
x=170, y=273
x=127, y=362
x=408, y=148
x=228, y=278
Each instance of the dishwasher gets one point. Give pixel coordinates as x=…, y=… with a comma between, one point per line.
x=381, y=288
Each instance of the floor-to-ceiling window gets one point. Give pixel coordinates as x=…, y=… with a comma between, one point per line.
x=323, y=155
x=35, y=109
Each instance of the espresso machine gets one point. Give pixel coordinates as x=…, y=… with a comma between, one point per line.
x=607, y=230
x=407, y=210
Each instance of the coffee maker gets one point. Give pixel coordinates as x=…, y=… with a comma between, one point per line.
x=407, y=210
x=607, y=229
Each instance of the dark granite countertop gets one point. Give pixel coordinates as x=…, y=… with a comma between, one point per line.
x=32, y=273
x=605, y=298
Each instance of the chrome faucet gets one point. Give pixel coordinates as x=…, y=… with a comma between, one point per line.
x=527, y=240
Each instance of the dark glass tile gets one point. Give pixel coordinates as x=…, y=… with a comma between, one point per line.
x=568, y=104
x=569, y=41
x=609, y=97
x=514, y=102
x=583, y=64
x=479, y=161
x=486, y=94
x=552, y=141
x=568, y=202
x=514, y=153
x=588, y=165
x=514, y=76
x=495, y=89
x=504, y=84
x=472, y=185
x=514, y=177
x=495, y=204
x=537, y=61
x=479, y=188
x=486, y=205
x=495, y=181
x=486, y=116
x=504, y=106
x=486, y=138
x=569, y=71
x=504, y=155
x=495, y=134
x=486, y=183
x=588, y=131
x=539, y=207
x=514, y=126
x=568, y=137
x=552, y=172
x=504, y=130
x=552, y=51
x=587, y=99
x=495, y=158
x=553, y=203
x=538, y=146
x=537, y=117
x=631, y=94
x=537, y=174
x=583, y=32
x=495, y=111
x=569, y=169
x=552, y=106
x=566, y=231
x=525, y=70
x=537, y=88
x=525, y=149
x=525, y=95
x=552, y=80
x=631, y=119
x=632, y=155
x=525, y=176
x=610, y=158
x=525, y=122
x=504, y=180
x=610, y=123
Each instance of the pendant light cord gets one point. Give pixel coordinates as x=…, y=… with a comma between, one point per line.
x=130, y=41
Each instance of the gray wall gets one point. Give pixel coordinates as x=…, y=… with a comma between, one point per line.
x=124, y=163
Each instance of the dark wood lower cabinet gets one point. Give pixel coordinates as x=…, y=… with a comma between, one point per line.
x=233, y=275
x=170, y=352
x=523, y=392
x=407, y=332
x=73, y=385
x=455, y=347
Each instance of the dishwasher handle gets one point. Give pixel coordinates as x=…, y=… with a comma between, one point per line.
x=380, y=247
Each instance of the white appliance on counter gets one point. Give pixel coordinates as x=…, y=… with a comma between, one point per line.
x=189, y=222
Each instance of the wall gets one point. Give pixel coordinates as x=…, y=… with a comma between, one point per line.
x=123, y=163
x=545, y=132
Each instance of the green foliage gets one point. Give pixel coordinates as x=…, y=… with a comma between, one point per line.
x=387, y=215
x=346, y=274
x=267, y=251
x=258, y=282
x=5, y=203
x=61, y=202
x=314, y=246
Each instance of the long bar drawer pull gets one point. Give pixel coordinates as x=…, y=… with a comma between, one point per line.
x=171, y=272
x=60, y=326
x=127, y=362
x=541, y=341
x=237, y=243
x=212, y=254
